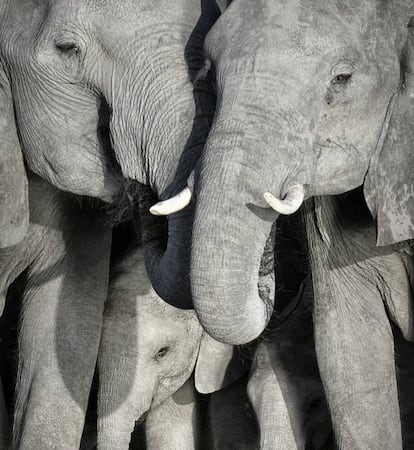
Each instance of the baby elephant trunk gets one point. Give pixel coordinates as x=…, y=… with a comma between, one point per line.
x=117, y=408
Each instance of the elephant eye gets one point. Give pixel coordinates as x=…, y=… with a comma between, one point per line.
x=342, y=78
x=161, y=353
x=68, y=48
x=341, y=74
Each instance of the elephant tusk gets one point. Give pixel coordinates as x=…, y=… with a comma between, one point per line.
x=173, y=204
x=290, y=204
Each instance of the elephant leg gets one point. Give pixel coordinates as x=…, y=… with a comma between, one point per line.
x=353, y=336
x=355, y=351
x=60, y=331
x=175, y=424
x=277, y=417
x=285, y=386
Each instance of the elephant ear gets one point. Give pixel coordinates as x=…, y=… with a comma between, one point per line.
x=389, y=185
x=14, y=209
x=218, y=365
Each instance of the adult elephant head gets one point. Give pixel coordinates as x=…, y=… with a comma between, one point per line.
x=313, y=98
x=93, y=90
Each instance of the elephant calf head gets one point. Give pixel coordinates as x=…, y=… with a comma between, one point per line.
x=148, y=351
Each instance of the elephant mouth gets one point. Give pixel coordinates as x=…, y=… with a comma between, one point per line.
x=124, y=205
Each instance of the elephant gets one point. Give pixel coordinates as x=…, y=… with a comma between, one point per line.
x=148, y=351
x=96, y=99
x=312, y=99
x=85, y=118
x=285, y=387
x=359, y=289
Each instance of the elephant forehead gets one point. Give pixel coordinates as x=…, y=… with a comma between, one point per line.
x=137, y=298
x=310, y=27
x=278, y=48
x=143, y=13
x=152, y=310
x=156, y=329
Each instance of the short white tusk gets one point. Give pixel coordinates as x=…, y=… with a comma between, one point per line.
x=173, y=204
x=290, y=204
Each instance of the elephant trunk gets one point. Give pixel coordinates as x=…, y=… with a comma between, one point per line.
x=231, y=231
x=159, y=128
x=225, y=273
x=14, y=202
x=167, y=241
x=166, y=244
x=121, y=402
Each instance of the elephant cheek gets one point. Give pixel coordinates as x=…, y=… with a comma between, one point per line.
x=336, y=172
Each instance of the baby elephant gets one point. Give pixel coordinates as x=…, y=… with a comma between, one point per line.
x=148, y=351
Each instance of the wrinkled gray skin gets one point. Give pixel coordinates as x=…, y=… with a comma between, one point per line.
x=358, y=288
x=98, y=90
x=285, y=388
x=308, y=92
x=231, y=420
x=148, y=351
x=89, y=91
x=176, y=423
x=65, y=256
